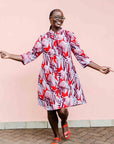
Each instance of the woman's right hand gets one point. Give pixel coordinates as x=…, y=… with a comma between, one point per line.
x=4, y=54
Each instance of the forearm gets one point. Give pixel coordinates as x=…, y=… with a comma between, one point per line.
x=94, y=66
x=16, y=57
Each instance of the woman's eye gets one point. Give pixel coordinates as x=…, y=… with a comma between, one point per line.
x=56, y=17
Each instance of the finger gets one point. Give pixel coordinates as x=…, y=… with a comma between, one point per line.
x=2, y=54
x=111, y=70
x=106, y=71
x=103, y=71
x=1, y=51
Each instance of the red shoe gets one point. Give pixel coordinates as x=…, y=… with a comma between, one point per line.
x=58, y=139
x=66, y=134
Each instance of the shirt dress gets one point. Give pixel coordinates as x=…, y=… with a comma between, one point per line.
x=58, y=83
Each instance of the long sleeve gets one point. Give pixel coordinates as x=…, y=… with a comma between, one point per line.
x=34, y=53
x=83, y=59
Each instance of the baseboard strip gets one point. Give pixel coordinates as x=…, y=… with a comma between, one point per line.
x=45, y=124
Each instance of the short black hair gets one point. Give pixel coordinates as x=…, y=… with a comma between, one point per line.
x=51, y=13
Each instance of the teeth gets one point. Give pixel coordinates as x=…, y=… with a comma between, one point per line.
x=58, y=22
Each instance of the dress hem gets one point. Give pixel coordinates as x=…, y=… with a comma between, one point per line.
x=63, y=107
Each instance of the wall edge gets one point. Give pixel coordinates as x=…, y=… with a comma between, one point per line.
x=45, y=124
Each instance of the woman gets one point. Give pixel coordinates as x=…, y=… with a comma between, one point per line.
x=58, y=83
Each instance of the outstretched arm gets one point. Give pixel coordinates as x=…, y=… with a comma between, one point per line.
x=26, y=57
x=102, y=69
x=83, y=58
x=6, y=55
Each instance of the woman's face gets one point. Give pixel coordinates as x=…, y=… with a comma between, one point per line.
x=57, y=19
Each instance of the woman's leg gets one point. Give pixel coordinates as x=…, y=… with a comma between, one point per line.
x=53, y=120
x=63, y=114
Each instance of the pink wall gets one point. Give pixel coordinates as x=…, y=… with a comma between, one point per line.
x=21, y=23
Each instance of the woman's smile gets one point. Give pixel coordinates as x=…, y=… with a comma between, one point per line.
x=58, y=23
x=57, y=20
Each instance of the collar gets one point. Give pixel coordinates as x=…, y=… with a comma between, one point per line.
x=58, y=32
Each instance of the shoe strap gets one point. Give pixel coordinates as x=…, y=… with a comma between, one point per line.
x=67, y=132
x=66, y=125
x=56, y=138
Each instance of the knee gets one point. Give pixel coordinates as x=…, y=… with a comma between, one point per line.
x=63, y=113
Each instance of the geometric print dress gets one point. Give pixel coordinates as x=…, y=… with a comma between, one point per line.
x=58, y=83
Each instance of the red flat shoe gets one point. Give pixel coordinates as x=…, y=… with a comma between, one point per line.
x=66, y=134
x=56, y=138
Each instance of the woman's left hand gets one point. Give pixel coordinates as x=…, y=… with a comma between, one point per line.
x=105, y=69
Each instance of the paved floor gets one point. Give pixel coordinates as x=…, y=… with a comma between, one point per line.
x=100, y=135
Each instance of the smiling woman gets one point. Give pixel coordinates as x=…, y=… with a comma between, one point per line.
x=58, y=84
x=56, y=19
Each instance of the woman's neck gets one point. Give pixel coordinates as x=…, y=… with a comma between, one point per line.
x=55, y=29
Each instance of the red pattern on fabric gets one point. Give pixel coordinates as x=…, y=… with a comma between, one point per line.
x=58, y=83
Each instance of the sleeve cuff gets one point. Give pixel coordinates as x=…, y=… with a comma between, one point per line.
x=23, y=59
x=85, y=65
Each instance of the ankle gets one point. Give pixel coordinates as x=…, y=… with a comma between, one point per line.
x=63, y=122
x=58, y=135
